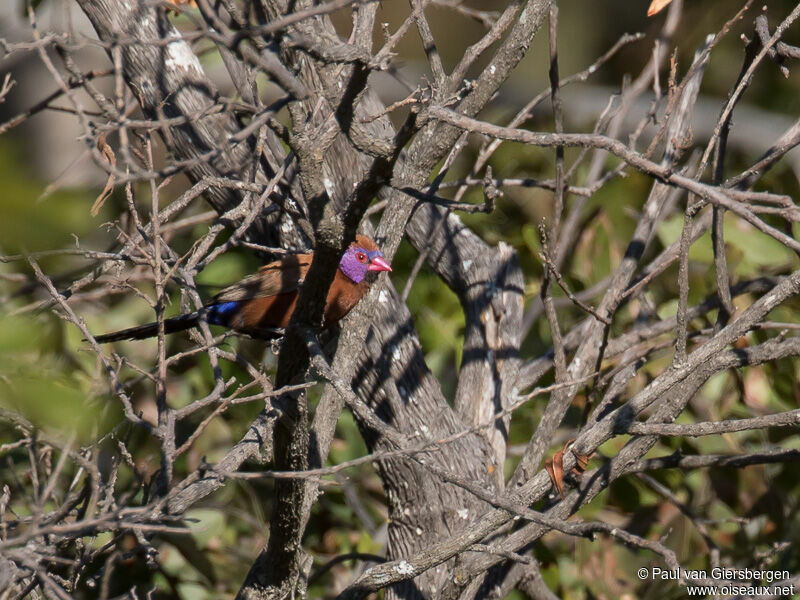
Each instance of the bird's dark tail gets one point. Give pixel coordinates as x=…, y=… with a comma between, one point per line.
x=141, y=332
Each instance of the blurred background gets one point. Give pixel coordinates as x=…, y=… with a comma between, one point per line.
x=48, y=184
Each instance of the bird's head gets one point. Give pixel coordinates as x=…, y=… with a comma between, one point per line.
x=361, y=257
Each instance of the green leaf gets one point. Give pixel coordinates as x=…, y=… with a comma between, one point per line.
x=205, y=524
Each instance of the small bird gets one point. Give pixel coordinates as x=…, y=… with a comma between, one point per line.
x=264, y=301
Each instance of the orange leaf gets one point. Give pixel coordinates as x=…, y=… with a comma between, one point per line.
x=555, y=469
x=656, y=6
x=108, y=154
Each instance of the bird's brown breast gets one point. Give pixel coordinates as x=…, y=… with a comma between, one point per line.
x=342, y=297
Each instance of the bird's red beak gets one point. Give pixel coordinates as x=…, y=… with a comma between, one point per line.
x=379, y=264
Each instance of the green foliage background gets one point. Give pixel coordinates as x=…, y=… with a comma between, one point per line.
x=46, y=374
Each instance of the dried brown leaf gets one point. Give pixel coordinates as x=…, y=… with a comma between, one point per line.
x=108, y=154
x=656, y=6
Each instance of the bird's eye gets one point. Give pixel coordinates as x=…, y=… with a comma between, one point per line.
x=361, y=257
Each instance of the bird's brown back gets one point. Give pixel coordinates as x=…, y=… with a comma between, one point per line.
x=276, y=278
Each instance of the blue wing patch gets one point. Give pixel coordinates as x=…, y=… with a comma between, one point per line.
x=220, y=314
